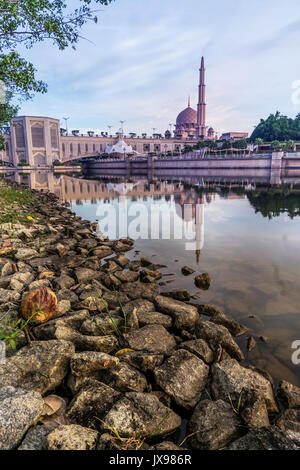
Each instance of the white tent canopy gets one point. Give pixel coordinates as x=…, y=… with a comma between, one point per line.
x=119, y=147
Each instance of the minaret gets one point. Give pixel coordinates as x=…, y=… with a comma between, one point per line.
x=201, y=127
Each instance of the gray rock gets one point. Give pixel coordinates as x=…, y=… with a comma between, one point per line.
x=9, y=295
x=39, y=284
x=183, y=376
x=150, y=276
x=121, y=260
x=142, y=415
x=289, y=394
x=155, y=318
x=91, y=404
x=73, y=320
x=26, y=253
x=213, y=425
x=126, y=276
x=89, y=362
x=19, y=409
x=253, y=409
x=200, y=348
x=125, y=378
x=202, y=281
x=231, y=379
x=270, y=438
x=151, y=338
x=289, y=423
x=41, y=367
x=101, y=325
x=111, y=281
x=218, y=334
x=85, y=274
x=186, y=270
x=139, y=290
x=165, y=445
x=71, y=437
x=218, y=317
x=64, y=281
x=145, y=362
x=185, y=315
x=141, y=306
x=63, y=307
x=105, y=344
x=181, y=295
x=102, y=251
x=35, y=437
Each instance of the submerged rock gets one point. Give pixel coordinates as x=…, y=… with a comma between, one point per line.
x=186, y=270
x=213, y=425
x=202, y=281
x=218, y=317
x=183, y=376
x=19, y=409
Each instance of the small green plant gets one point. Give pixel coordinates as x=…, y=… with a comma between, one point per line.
x=113, y=323
x=236, y=408
x=10, y=330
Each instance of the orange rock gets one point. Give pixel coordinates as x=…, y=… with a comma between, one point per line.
x=40, y=304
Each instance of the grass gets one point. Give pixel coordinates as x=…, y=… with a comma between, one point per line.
x=10, y=330
x=12, y=205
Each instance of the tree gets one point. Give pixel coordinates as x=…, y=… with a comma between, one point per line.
x=27, y=22
x=277, y=127
x=240, y=144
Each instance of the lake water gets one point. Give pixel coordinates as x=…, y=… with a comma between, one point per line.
x=246, y=238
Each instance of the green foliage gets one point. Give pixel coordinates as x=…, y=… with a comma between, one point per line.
x=274, y=202
x=277, y=127
x=240, y=144
x=25, y=23
x=10, y=330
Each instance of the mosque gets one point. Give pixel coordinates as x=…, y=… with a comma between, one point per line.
x=191, y=124
x=39, y=141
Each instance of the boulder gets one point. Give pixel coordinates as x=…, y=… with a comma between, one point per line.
x=186, y=270
x=89, y=362
x=84, y=274
x=35, y=437
x=71, y=437
x=218, y=317
x=270, y=438
x=151, y=338
x=183, y=376
x=202, y=281
x=106, y=344
x=145, y=362
x=185, y=315
x=182, y=295
x=155, y=318
x=19, y=409
x=139, y=290
x=289, y=423
x=26, y=254
x=253, y=409
x=125, y=378
x=218, y=335
x=213, y=425
x=289, y=394
x=200, y=348
x=142, y=415
x=149, y=276
x=230, y=379
x=90, y=405
x=126, y=276
x=41, y=367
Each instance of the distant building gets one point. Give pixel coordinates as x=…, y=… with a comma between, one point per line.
x=233, y=136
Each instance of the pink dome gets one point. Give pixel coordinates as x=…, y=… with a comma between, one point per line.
x=211, y=131
x=187, y=116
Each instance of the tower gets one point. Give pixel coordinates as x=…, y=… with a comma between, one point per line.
x=201, y=108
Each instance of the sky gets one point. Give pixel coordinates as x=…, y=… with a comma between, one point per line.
x=140, y=63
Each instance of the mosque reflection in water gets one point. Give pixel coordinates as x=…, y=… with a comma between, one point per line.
x=188, y=201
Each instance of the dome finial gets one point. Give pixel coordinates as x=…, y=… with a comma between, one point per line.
x=189, y=102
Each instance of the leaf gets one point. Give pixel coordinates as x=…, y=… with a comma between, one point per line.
x=123, y=351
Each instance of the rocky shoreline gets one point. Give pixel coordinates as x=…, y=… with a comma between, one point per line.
x=118, y=365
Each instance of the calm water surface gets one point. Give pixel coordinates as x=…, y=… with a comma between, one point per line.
x=248, y=241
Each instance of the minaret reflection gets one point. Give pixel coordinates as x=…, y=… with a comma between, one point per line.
x=190, y=207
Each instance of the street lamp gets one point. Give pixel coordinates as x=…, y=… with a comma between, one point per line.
x=109, y=127
x=66, y=123
x=122, y=124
